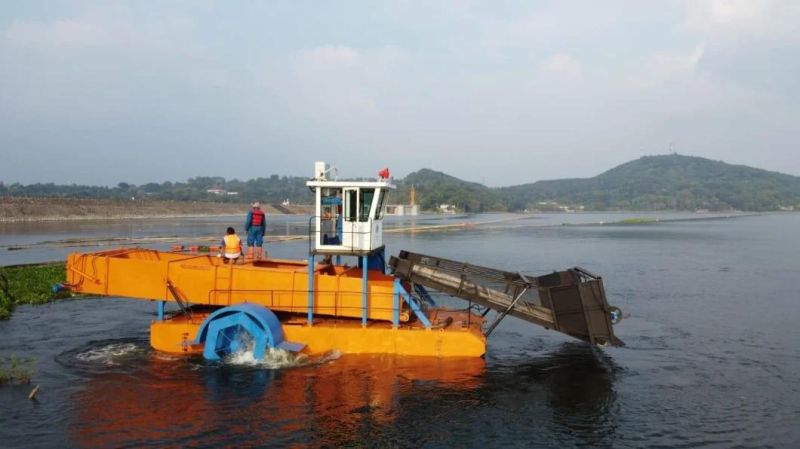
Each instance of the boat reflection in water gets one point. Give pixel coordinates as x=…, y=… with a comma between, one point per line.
x=328, y=401
x=348, y=400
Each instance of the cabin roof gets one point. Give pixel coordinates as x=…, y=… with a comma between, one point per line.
x=374, y=184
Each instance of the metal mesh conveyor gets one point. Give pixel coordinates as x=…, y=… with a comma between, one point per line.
x=572, y=301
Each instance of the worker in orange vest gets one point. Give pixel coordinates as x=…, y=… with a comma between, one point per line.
x=256, y=226
x=231, y=247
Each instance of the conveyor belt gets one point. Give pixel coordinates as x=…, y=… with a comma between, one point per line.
x=571, y=301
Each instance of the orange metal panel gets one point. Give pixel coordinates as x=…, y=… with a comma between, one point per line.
x=347, y=336
x=175, y=337
x=354, y=339
x=280, y=285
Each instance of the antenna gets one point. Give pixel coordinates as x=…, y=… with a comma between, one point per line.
x=321, y=170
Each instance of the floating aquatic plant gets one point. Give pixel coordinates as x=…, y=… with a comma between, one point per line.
x=638, y=221
x=29, y=284
x=14, y=369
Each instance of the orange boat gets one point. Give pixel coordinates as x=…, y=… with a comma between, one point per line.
x=317, y=306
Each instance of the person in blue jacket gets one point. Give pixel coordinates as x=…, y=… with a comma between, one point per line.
x=255, y=225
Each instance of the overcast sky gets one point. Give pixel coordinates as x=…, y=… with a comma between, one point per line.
x=496, y=92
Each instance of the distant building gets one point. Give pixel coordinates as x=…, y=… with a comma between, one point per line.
x=216, y=191
x=553, y=206
x=402, y=209
x=447, y=208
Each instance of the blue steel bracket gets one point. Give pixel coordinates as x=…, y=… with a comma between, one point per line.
x=399, y=292
x=423, y=293
x=364, y=290
x=396, y=303
x=310, y=289
x=160, y=310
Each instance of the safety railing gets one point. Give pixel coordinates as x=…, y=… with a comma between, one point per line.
x=328, y=303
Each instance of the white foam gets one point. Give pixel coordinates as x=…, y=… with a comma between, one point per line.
x=107, y=354
x=329, y=356
x=276, y=358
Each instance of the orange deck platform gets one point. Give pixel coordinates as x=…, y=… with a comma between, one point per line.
x=282, y=286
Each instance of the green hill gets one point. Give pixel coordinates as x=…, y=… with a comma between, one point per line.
x=666, y=182
x=670, y=182
x=435, y=188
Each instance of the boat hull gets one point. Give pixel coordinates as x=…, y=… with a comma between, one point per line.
x=462, y=337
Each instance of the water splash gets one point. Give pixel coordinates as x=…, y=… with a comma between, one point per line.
x=329, y=356
x=276, y=358
x=110, y=354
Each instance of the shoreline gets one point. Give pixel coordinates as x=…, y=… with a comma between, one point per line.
x=114, y=217
x=29, y=210
x=41, y=210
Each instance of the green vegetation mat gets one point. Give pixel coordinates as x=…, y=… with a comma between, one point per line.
x=637, y=221
x=29, y=284
x=16, y=370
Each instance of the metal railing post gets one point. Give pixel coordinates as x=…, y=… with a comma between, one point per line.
x=364, y=290
x=310, y=289
x=396, y=304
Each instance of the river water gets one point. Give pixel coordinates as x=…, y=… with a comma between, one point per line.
x=712, y=357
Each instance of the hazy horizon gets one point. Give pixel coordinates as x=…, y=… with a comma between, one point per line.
x=500, y=93
x=394, y=176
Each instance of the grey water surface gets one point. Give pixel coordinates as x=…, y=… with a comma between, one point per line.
x=712, y=357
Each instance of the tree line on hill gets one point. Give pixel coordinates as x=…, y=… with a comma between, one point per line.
x=668, y=182
x=274, y=189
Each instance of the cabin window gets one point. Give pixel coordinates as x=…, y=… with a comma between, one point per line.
x=350, y=204
x=365, y=203
x=381, y=199
x=332, y=204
